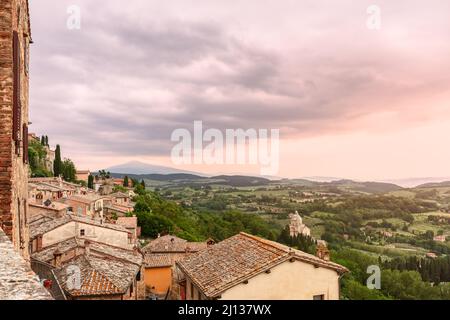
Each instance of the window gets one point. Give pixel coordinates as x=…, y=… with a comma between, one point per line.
x=82, y=232
x=319, y=297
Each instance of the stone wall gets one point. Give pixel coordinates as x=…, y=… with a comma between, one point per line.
x=13, y=170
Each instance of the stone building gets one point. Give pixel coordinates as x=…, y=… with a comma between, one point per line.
x=83, y=175
x=15, y=38
x=296, y=226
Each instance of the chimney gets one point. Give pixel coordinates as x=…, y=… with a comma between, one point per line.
x=87, y=247
x=39, y=243
x=57, y=258
x=322, y=251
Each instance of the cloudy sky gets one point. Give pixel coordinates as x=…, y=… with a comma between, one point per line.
x=349, y=101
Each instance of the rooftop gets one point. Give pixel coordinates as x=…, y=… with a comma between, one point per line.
x=105, y=270
x=87, y=199
x=127, y=222
x=240, y=258
x=119, y=195
x=57, y=206
x=17, y=280
x=157, y=261
x=42, y=226
x=170, y=243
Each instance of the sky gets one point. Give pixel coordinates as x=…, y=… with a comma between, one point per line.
x=348, y=100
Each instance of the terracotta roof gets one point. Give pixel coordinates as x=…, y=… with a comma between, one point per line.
x=106, y=270
x=127, y=222
x=157, y=260
x=54, y=206
x=240, y=258
x=87, y=199
x=115, y=208
x=40, y=227
x=100, y=275
x=170, y=243
x=44, y=186
x=17, y=280
x=119, y=195
x=95, y=284
x=46, y=254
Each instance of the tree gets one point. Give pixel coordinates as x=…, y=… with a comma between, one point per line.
x=43, y=140
x=143, y=183
x=429, y=234
x=57, y=164
x=68, y=170
x=46, y=141
x=91, y=181
x=126, y=182
x=104, y=175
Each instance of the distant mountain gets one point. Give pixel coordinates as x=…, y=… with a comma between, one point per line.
x=368, y=186
x=320, y=179
x=136, y=167
x=241, y=181
x=444, y=184
x=415, y=182
x=172, y=176
x=180, y=179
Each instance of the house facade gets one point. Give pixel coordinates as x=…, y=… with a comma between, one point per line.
x=160, y=256
x=46, y=232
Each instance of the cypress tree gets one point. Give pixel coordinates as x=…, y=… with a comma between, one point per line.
x=57, y=164
x=91, y=181
x=126, y=182
x=143, y=183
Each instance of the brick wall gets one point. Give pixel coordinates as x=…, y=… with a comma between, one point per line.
x=13, y=171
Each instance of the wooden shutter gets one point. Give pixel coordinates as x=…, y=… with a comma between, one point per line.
x=25, y=143
x=17, y=108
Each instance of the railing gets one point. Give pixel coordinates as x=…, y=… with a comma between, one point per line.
x=45, y=271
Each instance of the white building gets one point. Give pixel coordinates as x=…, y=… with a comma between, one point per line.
x=297, y=227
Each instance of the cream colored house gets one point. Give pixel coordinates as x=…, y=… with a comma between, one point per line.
x=46, y=232
x=245, y=267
